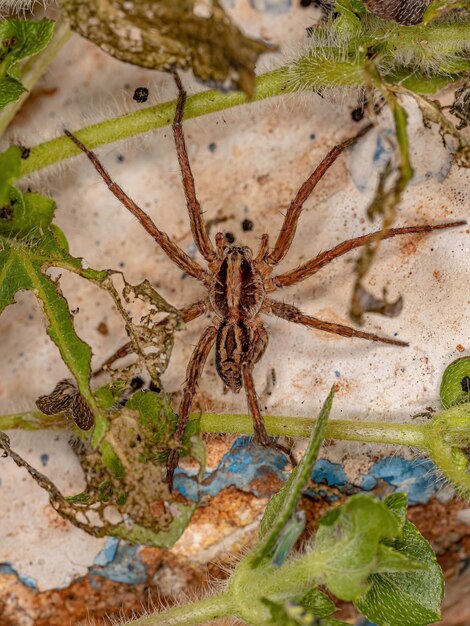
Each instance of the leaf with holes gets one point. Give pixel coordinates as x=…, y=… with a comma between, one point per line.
x=29, y=244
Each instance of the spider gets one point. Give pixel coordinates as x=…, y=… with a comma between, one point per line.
x=238, y=284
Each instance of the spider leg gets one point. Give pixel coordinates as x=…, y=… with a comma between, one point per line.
x=285, y=237
x=174, y=252
x=311, y=267
x=293, y=314
x=198, y=226
x=261, y=435
x=193, y=374
x=188, y=314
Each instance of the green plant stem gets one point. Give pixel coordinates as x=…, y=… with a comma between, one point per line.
x=126, y=126
x=32, y=71
x=32, y=420
x=195, y=613
x=414, y=435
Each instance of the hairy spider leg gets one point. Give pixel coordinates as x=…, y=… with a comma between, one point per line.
x=311, y=267
x=171, y=249
x=198, y=226
x=188, y=314
x=293, y=314
x=259, y=428
x=286, y=235
x=193, y=375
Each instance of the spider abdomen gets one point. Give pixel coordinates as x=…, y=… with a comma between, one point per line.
x=238, y=343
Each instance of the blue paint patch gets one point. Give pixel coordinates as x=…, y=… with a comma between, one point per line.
x=6, y=568
x=382, y=152
x=44, y=458
x=126, y=567
x=244, y=467
x=416, y=478
x=329, y=473
x=250, y=468
x=108, y=553
x=337, y=374
x=271, y=6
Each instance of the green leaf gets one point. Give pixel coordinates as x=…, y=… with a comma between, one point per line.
x=317, y=603
x=410, y=598
x=438, y=7
x=19, y=39
x=155, y=413
x=283, y=505
x=347, y=545
x=288, y=614
x=398, y=504
x=10, y=166
x=295, y=614
x=28, y=246
x=158, y=539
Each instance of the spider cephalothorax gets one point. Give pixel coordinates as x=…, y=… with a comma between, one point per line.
x=238, y=284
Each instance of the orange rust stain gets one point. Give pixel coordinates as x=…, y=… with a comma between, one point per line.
x=459, y=347
x=409, y=248
x=102, y=328
x=53, y=518
x=437, y=275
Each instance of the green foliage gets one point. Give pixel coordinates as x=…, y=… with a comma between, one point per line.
x=19, y=39
x=29, y=244
x=439, y=7
x=283, y=505
x=424, y=56
x=400, y=597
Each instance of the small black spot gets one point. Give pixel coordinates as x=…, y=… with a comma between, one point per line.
x=154, y=387
x=247, y=224
x=465, y=384
x=120, y=158
x=312, y=136
x=141, y=94
x=25, y=152
x=357, y=114
x=138, y=438
x=230, y=237
x=212, y=146
x=305, y=3
x=121, y=264
x=137, y=383
x=6, y=212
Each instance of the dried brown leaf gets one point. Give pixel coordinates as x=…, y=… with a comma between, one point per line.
x=164, y=34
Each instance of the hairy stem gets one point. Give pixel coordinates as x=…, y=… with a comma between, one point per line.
x=199, y=612
x=126, y=126
x=414, y=435
x=33, y=70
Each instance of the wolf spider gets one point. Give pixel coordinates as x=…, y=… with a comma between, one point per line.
x=238, y=284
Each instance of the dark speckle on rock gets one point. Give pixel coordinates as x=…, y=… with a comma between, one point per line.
x=141, y=94
x=212, y=146
x=120, y=158
x=44, y=458
x=357, y=114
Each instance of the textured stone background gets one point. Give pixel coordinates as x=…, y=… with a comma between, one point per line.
x=247, y=163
